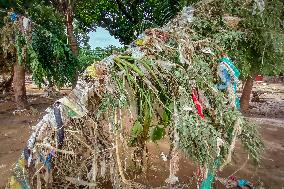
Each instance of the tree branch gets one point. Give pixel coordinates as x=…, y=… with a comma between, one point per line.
x=123, y=9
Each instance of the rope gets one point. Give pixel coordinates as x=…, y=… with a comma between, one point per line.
x=240, y=168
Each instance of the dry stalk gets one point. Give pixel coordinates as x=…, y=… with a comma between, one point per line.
x=174, y=162
x=235, y=133
x=78, y=181
x=95, y=154
x=118, y=160
x=38, y=181
x=56, y=149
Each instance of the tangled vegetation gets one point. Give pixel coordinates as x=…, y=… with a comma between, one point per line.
x=167, y=83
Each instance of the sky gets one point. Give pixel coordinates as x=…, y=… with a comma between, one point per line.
x=102, y=38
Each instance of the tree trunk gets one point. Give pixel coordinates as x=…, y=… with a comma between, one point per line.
x=72, y=39
x=19, y=86
x=245, y=98
x=70, y=33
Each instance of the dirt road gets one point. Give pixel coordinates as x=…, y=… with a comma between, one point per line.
x=269, y=114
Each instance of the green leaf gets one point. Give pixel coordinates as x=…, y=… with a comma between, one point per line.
x=72, y=113
x=165, y=117
x=136, y=129
x=157, y=133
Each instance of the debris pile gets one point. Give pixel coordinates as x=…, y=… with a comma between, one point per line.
x=182, y=86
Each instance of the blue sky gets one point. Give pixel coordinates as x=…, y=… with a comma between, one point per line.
x=102, y=38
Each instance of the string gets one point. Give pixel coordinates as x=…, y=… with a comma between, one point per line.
x=244, y=164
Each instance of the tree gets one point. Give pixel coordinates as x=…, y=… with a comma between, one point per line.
x=19, y=86
x=66, y=9
x=6, y=69
x=126, y=19
x=49, y=57
x=12, y=44
x=10, y=33
x=256, y=44
x=250, y=33
x=46, y=55
x=266, y=41
x=53, y=58
x=261, y=51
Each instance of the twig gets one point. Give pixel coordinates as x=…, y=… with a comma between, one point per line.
x=204, y=2
x=244, y=164
x=56, y=149
x=232, y=146
x=80, y=182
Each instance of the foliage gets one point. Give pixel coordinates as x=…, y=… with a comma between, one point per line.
x=256, y=42
x=55, y=62
x=7, y=56
x=87, y=56
x=255, y=146
x=163, y=82
x=267, y=38
x=126, y=19
x=19, y=6
x=81, y=35
x=152, y=81
x=157, y=133
x=48, y=56
x=172, y=79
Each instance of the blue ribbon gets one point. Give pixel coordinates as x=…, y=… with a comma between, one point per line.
x=242, y=182
x=231, y=65
x=207, y=183
x=229, y=74
x=13, y=16
x=225, y=78
x=47, y=160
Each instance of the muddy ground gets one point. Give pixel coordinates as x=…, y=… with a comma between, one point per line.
x=268, y=114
